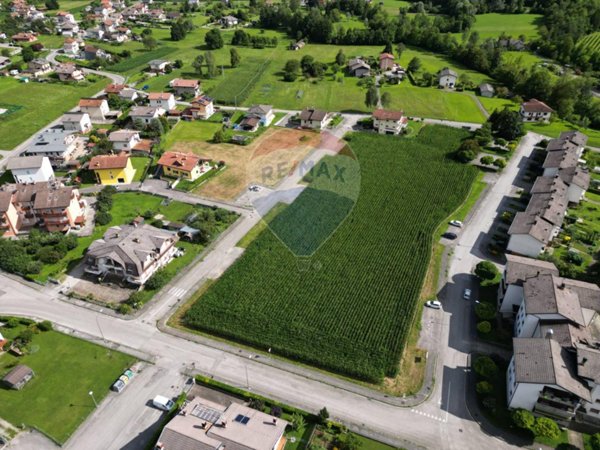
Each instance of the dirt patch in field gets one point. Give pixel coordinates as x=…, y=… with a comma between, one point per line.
x=265, y=161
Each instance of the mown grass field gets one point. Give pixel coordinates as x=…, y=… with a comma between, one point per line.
x=351, y=309
x=56, y=400
x=493, y=25
x=554, y=128
x=40, y=104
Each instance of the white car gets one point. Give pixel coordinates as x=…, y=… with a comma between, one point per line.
x=434, y=304
x=467, y=294
x=163, y=403
x=456, y=223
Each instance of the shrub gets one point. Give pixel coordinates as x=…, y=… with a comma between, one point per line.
x=12, y=323
x=575, y=258
x=46, y=325
x=149, y=214
x=103, y=218
x=297, y=421
x=323, y=415
x=135, y=299
x=49, y=255
x=546, y=427
x=485, y=367
x=595, y=441
x=124, y=308
x=500, y=163
x=486, y=160
x=486, y=271
x=523, y=418
x=484, y=327
x=158, y=280
x=484, y=387
x=26, y=336
x=257, y=403
x=485, y=311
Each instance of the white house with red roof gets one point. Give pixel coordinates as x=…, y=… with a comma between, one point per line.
x=389, y=122
x=164, y=100
x=185, y=87
x=535, y=111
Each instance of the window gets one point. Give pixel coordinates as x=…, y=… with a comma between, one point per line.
x=595, y=411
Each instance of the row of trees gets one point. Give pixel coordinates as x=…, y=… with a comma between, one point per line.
x=241, y=38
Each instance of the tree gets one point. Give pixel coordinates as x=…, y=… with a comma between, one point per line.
x=340, y=58
x=346, y=441
x=234, y=57
x=595, y=441
x=323, y=415
x=158, y=280
x=400, y=49
x=147, y=32
x=298, y=421
x=372, y=97
x=213, y=39
x=484, y=134
x=484, y=387
x=484, y=327
x=291, y=70
x=523, y=418
x=468, y=150
x=178, y=64
x=485, y=311
x=486, y=160
x=52, y=4
x=486, y=271
x=546, y=427
x=386, y=99
x=178, y=32
x=240, y=37
x=218, y=137
x=197, y=64
x=149, y=42
x=414, y=65
x=388, y=48
x=506, y=124
x=485, y=367
x=211, y=67
x=27, y=54
x=306, y=63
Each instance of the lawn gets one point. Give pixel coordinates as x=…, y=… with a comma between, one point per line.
x=199, y=130
x=56, y=401
x=554, y=128
x=491, y=104
x=139, y=163
x=434, y=103
x=352, y=307
x=493, y=25
x=40, y=103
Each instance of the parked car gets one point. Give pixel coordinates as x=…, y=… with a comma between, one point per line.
x=456, y=223
x=434, y=304
x=467, y=294
x=450, y=236
x=163, y=403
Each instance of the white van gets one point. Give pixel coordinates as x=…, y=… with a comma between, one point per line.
x=163, y=403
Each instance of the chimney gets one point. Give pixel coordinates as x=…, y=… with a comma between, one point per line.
x=549, y=333
x=274, y=421
x=583, y=361
x=562, y=285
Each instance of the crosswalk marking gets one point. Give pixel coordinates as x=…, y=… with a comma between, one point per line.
x=431, y=416
x=177, y=292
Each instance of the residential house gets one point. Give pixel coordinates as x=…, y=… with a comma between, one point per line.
x=129, y=94
x=358, y=67
x=48, y=205
x=486, y=90
x=386, y=61
x=96, y=33
x=164, y=100
x=133, y=253
x=535, y=111
x=264, y=113
x=58, y=144
x=38, y=67
x=173, y=15
x=563, y=159
x=183, y=165
x=204, y=424
x=77, y=121
x=96, y=108
x=114, y=89
x=129, y=141
x=313, y=118
x=112, y=169
x=157, y=15
x=71, y=47
x=250, y=123
x=389, y=122
x=25, y=37
x=298, y=45
x=30, y=169
x=447, y=78
x=69, y=72
x=146, y=114
x=158, y=65
x=18, y=377
x=185, y=87
x=229, y=21
x=91, y=53
x=65, y=24
x=201, y=108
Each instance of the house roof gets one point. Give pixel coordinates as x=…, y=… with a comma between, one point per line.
x=5, y=200
x=576, y=137
x=181, y=83
x=575, y=175
x=143, y=111
x=74, y=117
x=260, y=109
x=50, y=141
x=549, y=185
x=533, y=225
x=549, y=206
x=547, y=294
x=566, y=334
x=102, y=162
x=159, y=96
x=589, y=293
x=132, y=247
x=179, y=160
x=386, y=56
x=250, y=121
x=202, y=100
x=144, y=145
x=313, y=114
x=448, y=72
x=536, y=106
x=560, y=159
x=386, y=114
x=17, y=374
x=114, y=88
x=53, y=198
x=25, y=162
x=91, y=102
x=588, y=363
x=544, y=361
x=486, y=87
x=66, y=68
x=122, y=135
x=520, y=268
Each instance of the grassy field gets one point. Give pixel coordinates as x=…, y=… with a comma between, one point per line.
x=56, y=401
x=351, y=309
x=554, y=128
x=434, y=103
x=491, y=104
x=191, y=132
x=494, y=24
x=139, y=163
x=40, y=104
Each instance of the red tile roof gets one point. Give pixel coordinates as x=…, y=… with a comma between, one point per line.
x=535, y=105
x=114, y=88
x=180, y=82
x=159, y=95
x=386, y=56
x=384, y=114
x=101, y=162
x=179, y=160
x=91, y=102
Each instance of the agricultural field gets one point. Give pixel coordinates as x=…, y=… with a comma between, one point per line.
x=591, y=42
x=56, y=400
x=494, y=24
x=351, y=310
x=35, y=105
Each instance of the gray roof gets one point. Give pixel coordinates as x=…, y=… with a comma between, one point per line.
x=575, y=175
x=17, y=374
x=544, y=361
x=548, y=185
x=486, y=87
x=532, y=225
x=519, y=268
x=577, y=137
x=122, y=135
x=313, y=114
x=567, y=157
x=589, y=293
x=143, y=111
x=25, y=162
x=260, y=109
x=50, y=141
x=588, y=363
x=446, y=71
x=74, y=117
x=130, y=246
x=566, y=334
x=550, y=207
x=547, y=294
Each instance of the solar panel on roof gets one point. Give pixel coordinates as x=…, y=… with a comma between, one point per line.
x=206, y=413
x=242, y=419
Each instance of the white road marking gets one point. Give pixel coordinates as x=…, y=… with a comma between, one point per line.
x=177, y=292
x=430, y=416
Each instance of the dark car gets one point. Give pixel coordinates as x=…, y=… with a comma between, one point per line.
x=450, y=236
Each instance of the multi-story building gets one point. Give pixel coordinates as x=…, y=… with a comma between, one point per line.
x=389, y=122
